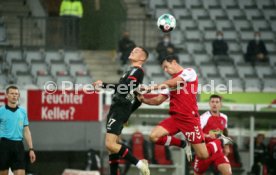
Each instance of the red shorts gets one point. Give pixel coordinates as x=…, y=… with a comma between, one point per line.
x=190, y=128
x=202, y=165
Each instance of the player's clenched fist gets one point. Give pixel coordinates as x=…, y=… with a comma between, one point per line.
x=98, y=84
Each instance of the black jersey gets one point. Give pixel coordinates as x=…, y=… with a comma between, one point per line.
x=124, y=101
x=130, y=80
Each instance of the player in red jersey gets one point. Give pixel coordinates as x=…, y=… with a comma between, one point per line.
x=213, y=124
x=184, y=116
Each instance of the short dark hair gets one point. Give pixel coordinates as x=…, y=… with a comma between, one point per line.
x=215, y=96
x=145, y=51
x=170, y=58
x=11, y=87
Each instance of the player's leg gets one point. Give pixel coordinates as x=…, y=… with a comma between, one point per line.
x=201, y=165
x=114, y=127
x=117, y=150
x=19, y=172
x=222, y=164
x=4, y=172
x=4, y=157
x=18, y=159
x=163, y=133
x=225, y=169
x=201, y=150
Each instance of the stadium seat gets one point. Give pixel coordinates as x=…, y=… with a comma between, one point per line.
x=62, y=80
x=205, y=23
x=185, y=58
x=207, y=70
x=229, y=4
x=269, y=85
x=234, y=13
x=3, y=34
x=86, y=79
x=152, y=68
x=158, y=78
x=246, y=36
x=42, y=79
x=3, y=79
x=52, y=56
x=247, y=3
x=200, y=59
x=263, y=70
x=234, y=47
x=226, y=70
x=187, y=23
x=177, y=37
x=209, y=36
x=211, y=4
x=193, y=3
x=236, y=84
x=156, y=3
x=72, y=56
x=215, y=80
x=33, y=55
x=38, y=66
x=24, y=79
x=272, y=59
x=268, y=35
x=195, y=47
x=19, y=66
x=222, y=24
x=161, y=11
x=58, y=67
x=260, y=25
x=237, y=58
x=214, y=13
x=13, y=55
x=199, y=12
x=175, y=4
x=230, y=35
x=193, y=35
x=263, y=3
x=252, y=85
x=252, y=13
x=269, y=14
x=242, y=24
x=180, y=13
x=75, y=68
x=245, y=70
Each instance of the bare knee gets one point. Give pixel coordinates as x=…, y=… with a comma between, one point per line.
x=110, y=145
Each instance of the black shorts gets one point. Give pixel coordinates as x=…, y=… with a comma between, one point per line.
x=117, y=116
x=12, y=155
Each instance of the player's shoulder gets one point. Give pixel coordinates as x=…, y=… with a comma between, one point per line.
x=189, y=71
x=223, y=115
x=136, y=69
x=206, y=114
x=21, y=109
x=2, y=108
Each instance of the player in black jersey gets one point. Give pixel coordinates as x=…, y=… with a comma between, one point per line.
x=124, y=102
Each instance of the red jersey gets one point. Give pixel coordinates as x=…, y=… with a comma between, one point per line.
x=183, y=98
x=213, y=124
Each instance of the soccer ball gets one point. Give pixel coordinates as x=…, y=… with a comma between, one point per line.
x=166, y=23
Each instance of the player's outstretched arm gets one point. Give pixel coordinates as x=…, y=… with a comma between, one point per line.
x=154, y=100
x=171, y=83
x=100, y=84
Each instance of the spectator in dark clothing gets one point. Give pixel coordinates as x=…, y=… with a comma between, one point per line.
x=125, y=47
x=260, y=154
x=220, y=47
x=164, y=48
x=256, y=50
